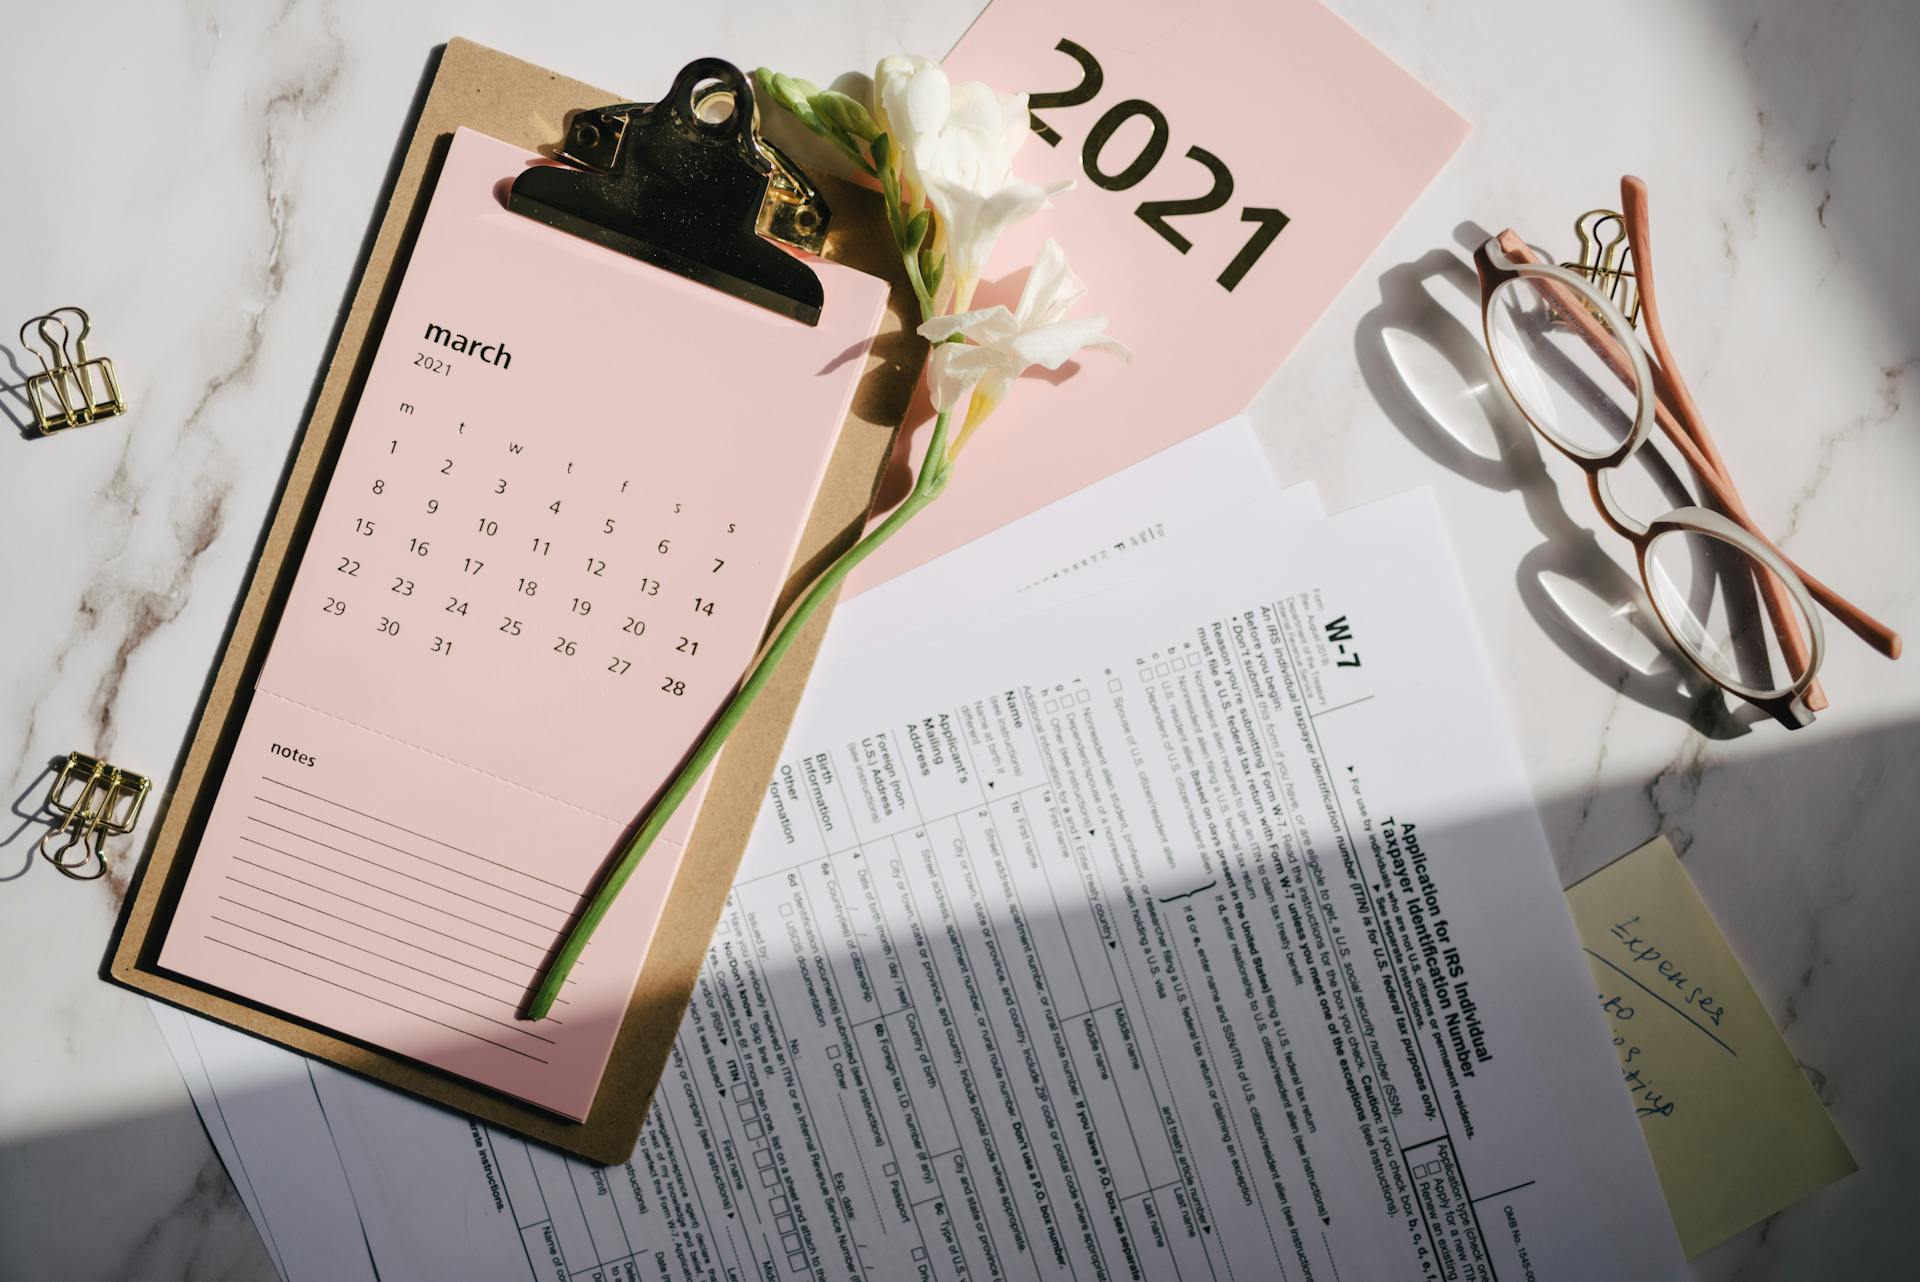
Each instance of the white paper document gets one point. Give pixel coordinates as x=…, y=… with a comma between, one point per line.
x=261, y=1106
x=1138, y=514
x=1191, y=922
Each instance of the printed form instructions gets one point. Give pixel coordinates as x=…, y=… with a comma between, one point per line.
x=1212, y=940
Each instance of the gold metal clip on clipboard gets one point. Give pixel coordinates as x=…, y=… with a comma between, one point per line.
x=688, y=184
x=94, y=801
x=72, y=388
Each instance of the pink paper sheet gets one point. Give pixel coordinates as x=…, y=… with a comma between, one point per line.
x=546, y=554
x=1302, y=114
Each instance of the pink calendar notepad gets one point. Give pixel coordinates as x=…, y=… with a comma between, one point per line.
x=557, y=527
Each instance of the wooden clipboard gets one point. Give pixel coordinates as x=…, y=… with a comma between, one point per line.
x=526, y=105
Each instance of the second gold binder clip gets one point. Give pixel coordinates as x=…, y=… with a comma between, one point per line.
x=94, y=801
x=1606, y=259
x=72, y=389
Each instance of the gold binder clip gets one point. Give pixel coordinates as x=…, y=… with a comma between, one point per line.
x=94, y=801
x=73, y=389
x=688, y=184
x=1606, y=258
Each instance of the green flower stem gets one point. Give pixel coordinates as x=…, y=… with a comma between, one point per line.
x=909, y=254
x=920, y=292
x=933, y=479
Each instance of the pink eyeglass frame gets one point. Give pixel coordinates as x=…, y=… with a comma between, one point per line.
x=1663, y=399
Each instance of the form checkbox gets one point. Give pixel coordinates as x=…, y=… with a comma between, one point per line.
x=763, y=1158
x=833, y=1052
x=778, y=1205
x=919, y=1252
x=1113, y=685
x=786, y=910
x=768, y=1178
x=755, y=1131
x=891, y=1168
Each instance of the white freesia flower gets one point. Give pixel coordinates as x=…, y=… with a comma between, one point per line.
x=955, y=146
x=1002, y=344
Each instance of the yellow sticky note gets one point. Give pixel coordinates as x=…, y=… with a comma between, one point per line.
x=1735, y=1131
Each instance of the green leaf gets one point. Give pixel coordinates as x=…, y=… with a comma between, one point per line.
x=932, y=273
x=882, y=150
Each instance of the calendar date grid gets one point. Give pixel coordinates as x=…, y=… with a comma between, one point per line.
x=478, y=546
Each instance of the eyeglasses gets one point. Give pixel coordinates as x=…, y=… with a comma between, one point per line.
x=1578, y=373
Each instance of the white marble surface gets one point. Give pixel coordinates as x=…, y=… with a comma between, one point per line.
x=202, y=176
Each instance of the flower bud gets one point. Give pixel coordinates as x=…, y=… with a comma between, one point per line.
x=845, y=114
x=917, y=228
x=792, y=93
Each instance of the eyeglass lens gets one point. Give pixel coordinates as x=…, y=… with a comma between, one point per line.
x=1548, y=360
x=1711, y=594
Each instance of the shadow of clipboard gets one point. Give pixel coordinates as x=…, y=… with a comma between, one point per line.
x=528, y=106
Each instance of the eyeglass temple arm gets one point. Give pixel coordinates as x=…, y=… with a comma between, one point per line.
x=1863, y=625
x=1671, y=388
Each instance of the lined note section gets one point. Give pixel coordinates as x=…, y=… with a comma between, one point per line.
x=462, y=933
x=409, y=901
